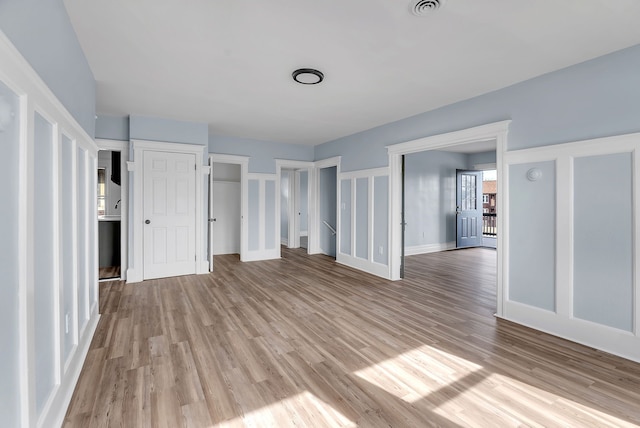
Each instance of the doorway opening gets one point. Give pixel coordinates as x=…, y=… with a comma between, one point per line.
x=294, y=208
x=328, y=209
x=225, y=210
x=473, y=142
x=112, y=209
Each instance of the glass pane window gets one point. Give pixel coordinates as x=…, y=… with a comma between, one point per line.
x=468, y=190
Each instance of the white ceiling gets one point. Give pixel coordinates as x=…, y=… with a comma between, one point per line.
x=228, y=63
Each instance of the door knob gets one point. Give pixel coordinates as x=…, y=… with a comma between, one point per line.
x=147, y=222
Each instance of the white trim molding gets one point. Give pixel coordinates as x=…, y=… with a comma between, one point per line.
x=368, y=264
x=429, y=248
x=35, y=96
x=561, y=321
x=135, y=272
x=263, y=253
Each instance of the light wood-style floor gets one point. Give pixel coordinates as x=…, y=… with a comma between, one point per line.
x=304, y=342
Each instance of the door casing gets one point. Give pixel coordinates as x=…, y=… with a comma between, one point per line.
x=135, y=271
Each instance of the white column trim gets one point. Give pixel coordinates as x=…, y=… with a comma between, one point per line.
x=564, y=236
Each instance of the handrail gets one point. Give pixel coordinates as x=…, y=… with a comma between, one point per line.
x=333, y=231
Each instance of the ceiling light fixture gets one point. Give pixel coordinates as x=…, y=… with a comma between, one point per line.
x=307, y=76
x=425, y=7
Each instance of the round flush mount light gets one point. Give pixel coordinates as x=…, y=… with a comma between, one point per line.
x=425, y=7
x=307, y=76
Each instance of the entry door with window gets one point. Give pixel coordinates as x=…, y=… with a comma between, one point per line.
x=169, y=213
x=468, y=208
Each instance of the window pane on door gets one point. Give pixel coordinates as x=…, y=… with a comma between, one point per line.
x=468, y=189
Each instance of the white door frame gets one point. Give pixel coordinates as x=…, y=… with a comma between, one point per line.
x=294, y=165
x=494, y=131
x=123, y=148
x=243, y=161
x=135, y=273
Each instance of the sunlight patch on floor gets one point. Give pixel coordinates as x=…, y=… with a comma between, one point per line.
x=465, y=392
x=415, y=374
x=303, y=410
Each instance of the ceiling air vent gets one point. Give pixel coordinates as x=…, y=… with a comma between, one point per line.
x=425, y=7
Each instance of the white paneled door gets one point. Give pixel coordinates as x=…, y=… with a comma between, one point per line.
x=169, y=214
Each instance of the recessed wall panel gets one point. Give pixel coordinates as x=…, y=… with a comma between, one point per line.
x=380, y=219
x=44, y=286
x=66, y=241
x=362, y=218
x=532, y=237
x=345, y=217
x=603, y=246
x=82, y=183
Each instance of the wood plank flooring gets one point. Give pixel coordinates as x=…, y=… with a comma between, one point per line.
x=304, y=342
x=108, y=272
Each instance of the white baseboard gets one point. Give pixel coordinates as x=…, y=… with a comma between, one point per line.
x=429, y=248
x=229, y=250
x=56, y=409
x=284, y=241
x=364, y=265
x=134, y=275
x=202, y=267
x=612, y=340
x=253, y=256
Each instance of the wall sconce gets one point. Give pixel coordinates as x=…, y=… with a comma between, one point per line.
x=534, y=174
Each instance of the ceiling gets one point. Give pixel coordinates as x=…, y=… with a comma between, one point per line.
x=228, y=63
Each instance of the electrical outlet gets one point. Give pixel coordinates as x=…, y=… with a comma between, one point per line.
x=66, y=323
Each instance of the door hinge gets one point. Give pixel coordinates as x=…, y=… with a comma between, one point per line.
x=195, y=167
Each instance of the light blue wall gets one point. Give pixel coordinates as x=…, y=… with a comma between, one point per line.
x=42, y=32
x=603, y=245
x=362, y=218
x=43, y=252
x=430, y=197
x=112, y=127
x=481, y=158
x=532, y=235
x=173, y=131
x=9, y=192
x=327, y=209
x=381, y=219
x=262, y=154
x=596, y=98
